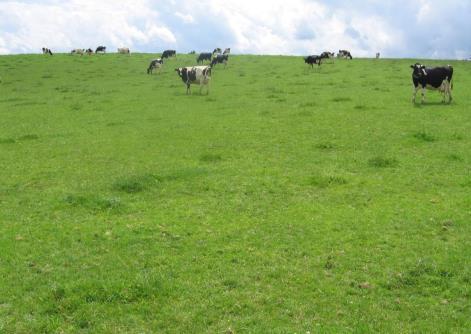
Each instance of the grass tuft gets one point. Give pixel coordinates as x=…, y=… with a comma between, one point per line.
x=136, y=183
x=93, y=202
x=326, y=181
x=382, y=162
x=209, y=157
x=7, y=141
x=424, y=136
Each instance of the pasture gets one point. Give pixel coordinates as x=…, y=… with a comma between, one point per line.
x=288, y=200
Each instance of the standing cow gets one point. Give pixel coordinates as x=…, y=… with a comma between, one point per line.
x=220, y=59
x=101, y=49
x=432, y=78
x=314, y=59
x=204, y=56
x=169, y=53
x=123, y=50
x=47, y=51
x=155, y=63
x=78, y=51
x=199, y=75
x=344, y=54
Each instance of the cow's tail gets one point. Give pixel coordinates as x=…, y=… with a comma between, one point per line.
x=451, y=76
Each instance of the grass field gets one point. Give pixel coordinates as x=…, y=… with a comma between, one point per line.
x=288, y=200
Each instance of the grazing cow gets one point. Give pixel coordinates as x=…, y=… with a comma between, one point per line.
x=204, y=56
x=78, y=51
x=101, y=49
x=433, y=78
x=155, y=63
x=226, y=51
x=220, y=59
x=314, y=59
x=327, y=55
x=123, y=50
x=89, y=51
x=169, y=53
x=199, y=75
x=344, y=54
x=377, y=55
x=47, y=51
x=217, y=51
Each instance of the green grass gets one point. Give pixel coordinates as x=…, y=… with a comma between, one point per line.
x=287, y=200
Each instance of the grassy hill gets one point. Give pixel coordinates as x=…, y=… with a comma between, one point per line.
x=288, y=200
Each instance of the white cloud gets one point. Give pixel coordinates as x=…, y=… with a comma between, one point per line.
x=186, y=18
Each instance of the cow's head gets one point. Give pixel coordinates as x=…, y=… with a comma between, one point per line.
x=419, y=70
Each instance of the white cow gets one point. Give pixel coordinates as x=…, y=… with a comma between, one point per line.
x=155, y=63
x=123, y=50
x=198, y=75
x=78, y=51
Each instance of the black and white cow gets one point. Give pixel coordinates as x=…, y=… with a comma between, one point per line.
x=89, y=51
x=314, y=59
x=217, y=51
x=101, y=49
x=226, y=51
x=327, y=55
x=204, y=56
x=47, y=51
x=433, y=78
x=344, y=54
x=378, y=55
x=220, y=59
x=155, y=63
x=199, y=75
x=169, y=53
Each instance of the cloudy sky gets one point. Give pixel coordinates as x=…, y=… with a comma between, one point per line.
x=396, y=28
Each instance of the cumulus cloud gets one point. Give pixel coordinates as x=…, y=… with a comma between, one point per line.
x=396, y=28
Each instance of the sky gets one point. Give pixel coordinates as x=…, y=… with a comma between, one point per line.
x=437, y=29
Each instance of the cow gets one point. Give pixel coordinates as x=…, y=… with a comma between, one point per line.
x=344, y=54
x=47, y=51
x=89, y=51
x=327, y=55
x=377, y=55
x=220, y=59
x=78, y=51
x=155, y=63
x=199, y=75
x=204, y=56
x=217, y=51
x=313, y=59
x=123, y=50
x=101, y=49
x=433, y=78
x=169, y=53
x=226, y=51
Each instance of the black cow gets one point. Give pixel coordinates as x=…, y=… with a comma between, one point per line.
x=169, y=53
x=314, y=59
x=327, y=55
x=101, y=49
x=155, y=63
x=344, y=54
x=204, y=56
x=199, y=75
x=220, y=59
x=433, y=78
x=47, y=51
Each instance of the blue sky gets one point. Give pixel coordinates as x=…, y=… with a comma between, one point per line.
x=412, y=29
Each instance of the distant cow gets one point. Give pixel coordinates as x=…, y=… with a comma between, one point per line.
x=433, y=78
x=204, y=56
x=169, y=53
x=199, y=75
x=220, y=59
x=78, y=51
x=155, y=63
x=344, y=54
x=226, y=51
x=101, y=49
x=47, y=51
x=327, y=55
x=377, y=55
x=89, y=51
x=123, y=50
x=314, y=59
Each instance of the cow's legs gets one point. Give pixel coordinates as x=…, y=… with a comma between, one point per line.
x=449, y=91
x=423, y=94
x=414, y=93
x=188, y=91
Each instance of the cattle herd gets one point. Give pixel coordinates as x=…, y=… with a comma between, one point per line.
x=432, y=78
